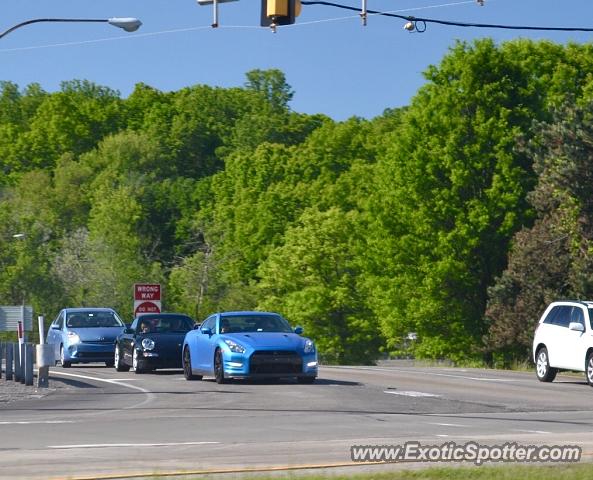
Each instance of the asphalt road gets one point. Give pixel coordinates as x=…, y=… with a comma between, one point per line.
x=109, y=423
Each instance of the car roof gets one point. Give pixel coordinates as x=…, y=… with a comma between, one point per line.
x=588, y=303
x=162, y=315
x=246, y=313
x=89, y=309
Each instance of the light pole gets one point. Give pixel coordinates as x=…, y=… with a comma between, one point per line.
x=128, y=24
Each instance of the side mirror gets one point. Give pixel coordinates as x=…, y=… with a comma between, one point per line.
x=207, y=331
x=55, y=327
x=128, y=331
x=197, y=326
x=298, y=330
x=576, y=326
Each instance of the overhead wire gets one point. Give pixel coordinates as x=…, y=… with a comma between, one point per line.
x=425, y=20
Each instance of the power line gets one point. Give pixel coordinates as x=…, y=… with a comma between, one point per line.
x=419, y=23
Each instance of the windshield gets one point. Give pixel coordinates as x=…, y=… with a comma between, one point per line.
x=165, y=324
x=254, y=323
x=93, y=320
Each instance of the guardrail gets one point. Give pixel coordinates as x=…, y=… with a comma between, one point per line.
x=20, y=361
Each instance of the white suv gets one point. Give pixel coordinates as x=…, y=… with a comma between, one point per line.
x=564, y=340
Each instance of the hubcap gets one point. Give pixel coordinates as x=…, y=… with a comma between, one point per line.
x=116, y=357
x=135, y=360
x=590, y=370
x=542, y=364
x=218, y=366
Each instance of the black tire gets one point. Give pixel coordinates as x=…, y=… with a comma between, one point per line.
x=187, y=373
x=118, y=361
x=306, y=380
x=218, y=367
x=109, y=363
x=589, y=368
x=544, y=372
x=65, y=363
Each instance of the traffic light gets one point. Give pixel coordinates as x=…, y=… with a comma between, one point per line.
x=279, y=12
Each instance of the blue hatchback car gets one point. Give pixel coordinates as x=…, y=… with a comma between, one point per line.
x=248, y=345
x=85, y=335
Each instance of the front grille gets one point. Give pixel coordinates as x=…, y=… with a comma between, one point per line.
x=92, y=354
x=275, y=362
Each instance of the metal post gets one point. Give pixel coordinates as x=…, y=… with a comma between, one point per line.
x=46, y=357
x=363, y=14
x=1, y=353
x=28, y=363
x=9, y=360
x=22, y=362
x=17, y=362
x=215, y=13
x=41, y=323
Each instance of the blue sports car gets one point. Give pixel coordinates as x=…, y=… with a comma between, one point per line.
x=248, y=345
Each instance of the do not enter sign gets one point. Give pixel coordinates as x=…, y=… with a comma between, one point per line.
x=147, y=298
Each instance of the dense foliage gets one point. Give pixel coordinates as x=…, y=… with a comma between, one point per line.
x=362, y=231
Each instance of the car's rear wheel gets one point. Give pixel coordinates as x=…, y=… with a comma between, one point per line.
x=137, y=363
x=589, y=369
x=187, y=373
x=544, y=372
x=65, y=363
x=118, y=361
x=219, y=367
x=306, y=380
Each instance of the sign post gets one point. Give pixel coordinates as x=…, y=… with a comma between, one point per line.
x=147, y=298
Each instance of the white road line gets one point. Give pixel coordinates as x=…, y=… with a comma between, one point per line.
x=530, y=431
x=121, y=445
x=442, y=435
x=36, y=422
x=447, y=424
x=149, y=394
x=410, y=393
x=389, y=369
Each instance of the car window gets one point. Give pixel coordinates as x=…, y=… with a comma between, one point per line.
x=590, y=312
x=551, y=317
x=210, y=323
x=562, y=319
x=93, y=319
x=164, y=324
x=254, y=323
x=577, y=315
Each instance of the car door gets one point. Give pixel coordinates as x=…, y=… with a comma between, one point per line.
x=54, y=334
x=577, y=342
x=554, y=330
x=204, y=344
x=126, y=342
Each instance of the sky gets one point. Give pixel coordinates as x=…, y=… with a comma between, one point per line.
x=335, y=65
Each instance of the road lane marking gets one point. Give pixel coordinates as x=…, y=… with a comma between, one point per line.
x=149, y=394
x=447, y=424
x=388, y=369
x=410, y=393
x=531, y=431
x=35, y=422
x=125, y=445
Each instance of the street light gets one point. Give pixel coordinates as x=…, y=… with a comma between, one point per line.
x=128, y=24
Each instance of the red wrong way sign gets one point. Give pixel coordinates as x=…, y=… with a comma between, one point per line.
x=147, y=298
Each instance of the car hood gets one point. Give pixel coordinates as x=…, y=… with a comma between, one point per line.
x=289, y=341
x=98, y=334
x=164, y=339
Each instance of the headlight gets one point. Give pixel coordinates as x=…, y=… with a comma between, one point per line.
x=309, y=346
x=234, y=347
x=147, y=344
x=73, y=338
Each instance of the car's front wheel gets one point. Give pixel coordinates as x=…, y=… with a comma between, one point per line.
x=65, y=363
x=137, y=363
x=544, y=372
x=589, y=369
x=118, y=361
x=187, y=372
x=219, y=367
